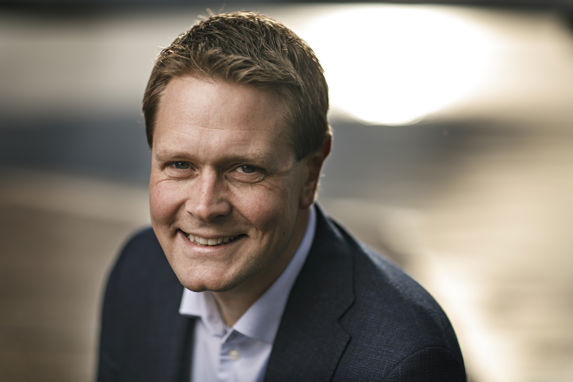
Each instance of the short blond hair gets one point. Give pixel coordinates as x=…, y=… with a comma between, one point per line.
x=252, y=49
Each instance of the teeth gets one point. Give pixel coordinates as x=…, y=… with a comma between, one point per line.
x=210, y=242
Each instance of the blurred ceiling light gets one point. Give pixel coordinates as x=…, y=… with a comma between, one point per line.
x=393, y=65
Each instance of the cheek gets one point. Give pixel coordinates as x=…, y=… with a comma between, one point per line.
x=267, y=208
x=163, y=202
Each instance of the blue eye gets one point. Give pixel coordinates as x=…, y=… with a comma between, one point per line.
x=180, y=165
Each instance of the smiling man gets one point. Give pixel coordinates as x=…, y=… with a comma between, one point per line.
x=242, y=276
x=229, y=200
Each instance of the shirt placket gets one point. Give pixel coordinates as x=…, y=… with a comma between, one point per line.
x=229, y=357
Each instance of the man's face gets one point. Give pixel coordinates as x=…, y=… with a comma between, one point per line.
x=229, y=202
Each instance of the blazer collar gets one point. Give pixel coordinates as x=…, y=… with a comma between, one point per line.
x=310, y=341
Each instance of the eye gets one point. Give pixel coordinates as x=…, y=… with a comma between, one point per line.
x=247, y=169
x=178, y=169
x=247, y=173
x=180, y=165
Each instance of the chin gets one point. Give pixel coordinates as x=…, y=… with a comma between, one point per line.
x=211, y=283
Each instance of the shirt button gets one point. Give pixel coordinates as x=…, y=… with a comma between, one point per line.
x=234, y=354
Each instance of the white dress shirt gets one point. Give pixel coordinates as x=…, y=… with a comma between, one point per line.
x=241, y=353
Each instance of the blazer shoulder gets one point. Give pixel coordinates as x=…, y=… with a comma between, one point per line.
x=139, y=317
x=381, y=289
x=393, y=318
x=385, y=290
x=141, y=243
x=141, y=262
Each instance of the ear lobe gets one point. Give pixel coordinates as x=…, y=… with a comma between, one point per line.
x=313, y=167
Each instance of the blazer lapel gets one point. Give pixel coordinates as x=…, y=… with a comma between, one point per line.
x=170, y=334
x=310, y=341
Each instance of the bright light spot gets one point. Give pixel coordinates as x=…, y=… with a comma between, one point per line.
x=393, y=65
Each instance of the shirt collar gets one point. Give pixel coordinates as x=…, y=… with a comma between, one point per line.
x=261, y=320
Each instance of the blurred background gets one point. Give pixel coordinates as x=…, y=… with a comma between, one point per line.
x=453, y=155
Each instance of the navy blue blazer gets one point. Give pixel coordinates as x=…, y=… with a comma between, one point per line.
x=351, y=316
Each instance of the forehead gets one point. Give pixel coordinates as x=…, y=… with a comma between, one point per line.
x=209, y=111
x=222, y=99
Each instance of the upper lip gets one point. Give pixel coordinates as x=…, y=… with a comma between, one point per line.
x=210, y=235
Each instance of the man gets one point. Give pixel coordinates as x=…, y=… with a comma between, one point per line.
x=242, y=277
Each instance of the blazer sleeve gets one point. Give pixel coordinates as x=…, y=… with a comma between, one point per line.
x=143, y=338
x=108, y=363
x=124, y=304
x=432, y=364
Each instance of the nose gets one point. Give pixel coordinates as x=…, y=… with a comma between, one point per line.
x=208, y=199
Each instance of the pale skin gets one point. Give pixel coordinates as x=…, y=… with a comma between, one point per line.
x=229, y=201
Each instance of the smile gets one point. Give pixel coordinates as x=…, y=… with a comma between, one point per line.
x=211, y=242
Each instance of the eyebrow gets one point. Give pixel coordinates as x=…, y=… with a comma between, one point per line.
x=169, y=155
x=257, y=157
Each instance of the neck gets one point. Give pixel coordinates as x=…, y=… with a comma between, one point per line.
x=232, y=306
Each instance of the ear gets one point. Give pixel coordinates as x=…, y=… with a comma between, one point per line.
x=313, y=167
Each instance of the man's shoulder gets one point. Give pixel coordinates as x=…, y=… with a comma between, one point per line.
x=371, y=269
x=140, y=262
x=140, y=312
x=392, y=316
x=391, y=301
x=142, y=248
x=144, y=238
x=383, y=289
x=374, y=275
